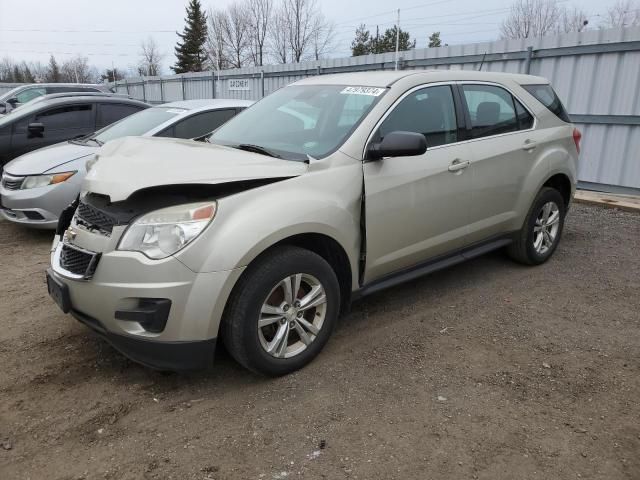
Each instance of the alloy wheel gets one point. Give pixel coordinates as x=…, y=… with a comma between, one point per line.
x=545, y=230
x=292, y=315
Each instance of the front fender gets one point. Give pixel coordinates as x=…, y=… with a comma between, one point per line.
x=325, y=202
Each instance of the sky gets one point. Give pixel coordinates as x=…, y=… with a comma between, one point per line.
x=110, y=32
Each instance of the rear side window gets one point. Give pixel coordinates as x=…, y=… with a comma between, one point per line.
x=547, y=96
x=201, y=123
x=109, y=113
x=491, y=110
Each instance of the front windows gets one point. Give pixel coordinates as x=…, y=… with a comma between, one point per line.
x=300, y=121
x=429, y=111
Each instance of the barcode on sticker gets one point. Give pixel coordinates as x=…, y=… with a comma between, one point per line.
x=371, y=91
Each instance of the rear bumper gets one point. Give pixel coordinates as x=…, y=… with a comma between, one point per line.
x=173, y=356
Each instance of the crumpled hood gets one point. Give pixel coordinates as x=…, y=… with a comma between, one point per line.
x=47, y=158
x=129, y=164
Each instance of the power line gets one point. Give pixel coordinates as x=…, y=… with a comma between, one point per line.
x=44, y=30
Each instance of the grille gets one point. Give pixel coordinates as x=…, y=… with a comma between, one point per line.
x=78, y=262
x=12, y=183
x=95, y=218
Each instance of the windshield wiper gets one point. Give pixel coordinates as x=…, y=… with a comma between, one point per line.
x=97, y=142
x=256, y=149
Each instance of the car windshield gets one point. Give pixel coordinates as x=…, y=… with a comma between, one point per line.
x=11, y=93
x=137, y=124
x=299, y=121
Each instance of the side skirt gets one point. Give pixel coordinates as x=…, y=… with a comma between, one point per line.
x=433, y=265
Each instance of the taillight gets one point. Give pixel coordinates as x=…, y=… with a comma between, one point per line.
x=577, y=136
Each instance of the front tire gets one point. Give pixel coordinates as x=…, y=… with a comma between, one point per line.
x=540, y=235
x=282, y=311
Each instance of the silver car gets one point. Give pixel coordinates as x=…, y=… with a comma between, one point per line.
x=324, y=191
x=37, y=186
x=25, y=93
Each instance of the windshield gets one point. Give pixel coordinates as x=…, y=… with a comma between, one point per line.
x=300, y=120
x=11, y=93
x=137, y=124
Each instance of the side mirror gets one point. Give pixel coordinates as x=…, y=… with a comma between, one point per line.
x=13, y=101
x=399, y=144
x=35, y=130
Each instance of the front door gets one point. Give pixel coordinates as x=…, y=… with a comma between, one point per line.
x=60, y=123
x=417, y=207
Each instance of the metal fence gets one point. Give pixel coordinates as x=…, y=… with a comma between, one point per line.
x=596, y=74
x=5, y=87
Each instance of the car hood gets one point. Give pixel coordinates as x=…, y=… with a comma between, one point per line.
x=130, y=164
x=48, y=158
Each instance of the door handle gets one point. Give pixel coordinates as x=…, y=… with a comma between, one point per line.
x=529, y=145
x=458, y=165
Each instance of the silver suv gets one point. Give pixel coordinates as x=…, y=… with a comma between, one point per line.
x=327, y=190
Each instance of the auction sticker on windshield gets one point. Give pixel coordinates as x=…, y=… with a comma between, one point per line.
x=371, y=91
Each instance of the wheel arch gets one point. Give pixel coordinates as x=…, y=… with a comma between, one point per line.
x=562, y=183
x=325, y=246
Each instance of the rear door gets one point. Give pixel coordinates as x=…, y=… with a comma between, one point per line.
x=501, y=138
x=62, y=122
x=417, y=207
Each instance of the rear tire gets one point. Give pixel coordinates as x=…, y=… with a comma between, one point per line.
x=282, y=311
x=542, y=229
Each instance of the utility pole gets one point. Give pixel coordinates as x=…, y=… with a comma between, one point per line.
x=397, y=39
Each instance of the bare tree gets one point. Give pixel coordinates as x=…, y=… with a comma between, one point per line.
x=623, y=13
x=303, y=22
x=572, y=20
x=236, y=34
x=77, y=69
x=531, y=18
x=150, y=64
x=6, y=69
x=279, y=36
x=259, y=13
x=39, y=71
x=215, y=45
x=323, y=37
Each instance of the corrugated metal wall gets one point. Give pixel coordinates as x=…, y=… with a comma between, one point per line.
x=5, y=87
x=596, y=74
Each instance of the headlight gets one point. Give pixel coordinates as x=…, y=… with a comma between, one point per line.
x=164, y=232
x=35, y=181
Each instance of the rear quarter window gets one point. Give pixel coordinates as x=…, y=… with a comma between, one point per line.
x=548, y=97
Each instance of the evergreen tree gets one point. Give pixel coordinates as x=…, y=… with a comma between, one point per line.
x=434, y=40
x=388, y=41
x=361, y=44
x=27, y=76
x=53, y=71
x=111, y=75
x=17, y=75
x=190, y=52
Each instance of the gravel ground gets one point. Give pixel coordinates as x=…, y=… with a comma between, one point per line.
x=488, y=370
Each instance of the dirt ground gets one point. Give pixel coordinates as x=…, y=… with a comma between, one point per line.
x=488, y=370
